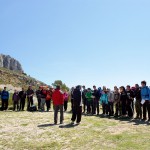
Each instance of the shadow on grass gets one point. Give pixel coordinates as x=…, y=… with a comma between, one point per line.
x=45, y=125
x=139, y=122
x=68, y=126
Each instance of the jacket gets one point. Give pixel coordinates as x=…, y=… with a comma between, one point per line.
x=104, y=98
x=123, y=98
x=110, y=97
x=5, y=95
x=96, y=94
x=89, y=96
x=77, y=98
x=138, y=95
x=30, y=93
x=66, y=96
x=15, y=97
x=43, y=94
x=58, y=98
x=145, y=93
x=116, y=97
x=22, y=95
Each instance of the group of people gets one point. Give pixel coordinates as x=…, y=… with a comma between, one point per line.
x=121, y=102
x=18, y=99
x=24, y=98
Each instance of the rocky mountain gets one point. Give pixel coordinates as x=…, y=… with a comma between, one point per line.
x=10, y=63
x=13, y=76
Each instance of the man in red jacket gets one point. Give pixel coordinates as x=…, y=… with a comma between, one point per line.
x=58, y=102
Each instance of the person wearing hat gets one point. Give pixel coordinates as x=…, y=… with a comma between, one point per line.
x=77, y=105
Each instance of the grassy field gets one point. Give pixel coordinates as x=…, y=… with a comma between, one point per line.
x=35, y=131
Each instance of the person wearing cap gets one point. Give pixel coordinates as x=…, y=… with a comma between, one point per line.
x=58, y=102
x=77, y=105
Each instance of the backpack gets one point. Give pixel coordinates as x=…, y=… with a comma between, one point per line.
x=33, y=108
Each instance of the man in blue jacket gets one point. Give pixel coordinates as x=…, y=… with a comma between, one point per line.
x=5, y=98
x=145, y=94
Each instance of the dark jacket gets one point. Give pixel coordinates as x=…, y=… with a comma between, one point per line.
x=43, y=94
x=84, y=94
x=138, y=95
x=22, y=95
x=5, y=95
x=123, y=97
x=77, y=98
x=130, y=96
x=38, y=94
x=30, y=93
x=96, y=94
x=15, y=97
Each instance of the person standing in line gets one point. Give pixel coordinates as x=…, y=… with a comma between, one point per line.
x=104, y=101
x=71, y=95
x=15, y=99
x=22, y=97
x=96, y=100
x=138, y=105
x=30, y=94
x=123, y=101
x=49, y=98
x=117, y=102
x=145, y=94
x=84, y=99
x=77, y=105
x=130, y=99
x=43, y=98
x=38, y=95
x=110, y=102
x=66, y=98
x=58, y=103
x=5, y=98
x=89, y=101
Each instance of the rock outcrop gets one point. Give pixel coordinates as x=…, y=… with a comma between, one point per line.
x=10, y=63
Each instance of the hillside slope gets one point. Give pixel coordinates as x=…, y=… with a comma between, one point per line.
x=17, y=79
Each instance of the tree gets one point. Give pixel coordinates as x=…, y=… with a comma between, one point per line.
x=63, y=85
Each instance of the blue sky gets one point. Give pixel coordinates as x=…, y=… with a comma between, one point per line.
x=90, y=42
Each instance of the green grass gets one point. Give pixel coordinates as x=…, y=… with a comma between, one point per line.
x=25, y=130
